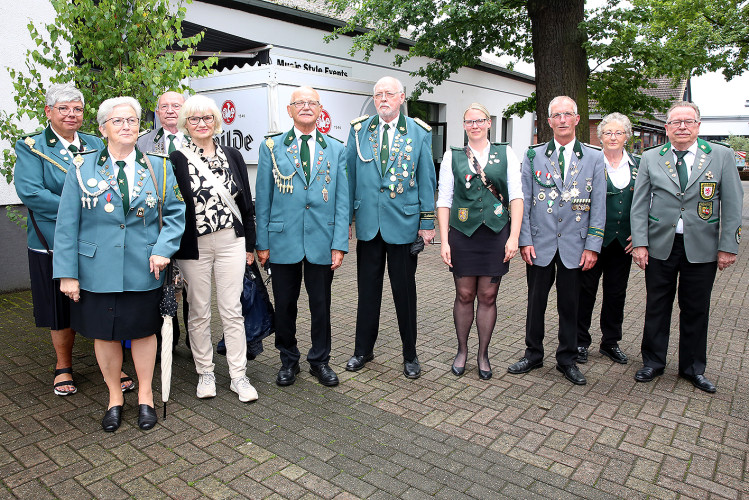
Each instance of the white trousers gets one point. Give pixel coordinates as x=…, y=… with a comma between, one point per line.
x=224, y=254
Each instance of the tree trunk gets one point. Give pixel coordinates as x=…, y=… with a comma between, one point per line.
x=560, y=60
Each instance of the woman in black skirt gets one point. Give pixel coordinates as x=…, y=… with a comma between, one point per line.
x=110, y=249
x=479, y=185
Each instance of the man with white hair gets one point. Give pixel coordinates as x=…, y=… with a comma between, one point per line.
x=168, y=137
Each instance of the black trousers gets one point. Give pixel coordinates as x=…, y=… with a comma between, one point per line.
x=540, y=279
x=695, y=285
x=614, y=264
x=287, y=283
x=370, y=270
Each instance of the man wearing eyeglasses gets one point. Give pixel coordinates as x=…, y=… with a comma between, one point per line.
x=301, y=210
x=686, y=224
x=42, y=161
x=168, y=137
x=562, y=232
x=392, y=182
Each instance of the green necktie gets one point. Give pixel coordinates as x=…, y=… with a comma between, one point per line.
x=561, y=162
x=385, y=150
x=124, y=189
x=73, y=149
x=172, y=148
x=305, y=155
x=681, y=168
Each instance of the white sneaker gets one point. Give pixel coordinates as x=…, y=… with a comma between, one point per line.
x=206, y=386
x=243, y=387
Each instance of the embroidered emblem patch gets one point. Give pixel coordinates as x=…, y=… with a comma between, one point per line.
x=462, y=214
x=705, y=209
x=707, y=190
x=178, y=193
x=738, y=235
x=499, y=209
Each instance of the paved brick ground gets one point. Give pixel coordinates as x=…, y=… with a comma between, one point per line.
x=378, y=435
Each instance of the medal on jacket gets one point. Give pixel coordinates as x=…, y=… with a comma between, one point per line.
x=109, y=208
x=150, y=200
x=325, y=194
x=468, y=181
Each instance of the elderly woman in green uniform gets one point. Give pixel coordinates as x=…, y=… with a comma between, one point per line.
x=615, y=258
x=479, y=185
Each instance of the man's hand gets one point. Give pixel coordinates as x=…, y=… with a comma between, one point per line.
x=71, y=288
x=337, y=257
x=588, y=260
x=157, y=264
x=528, y=253
x=427, y=235
x=640, y=256
x=250, y=258
x=725, y=259
x=262, y=256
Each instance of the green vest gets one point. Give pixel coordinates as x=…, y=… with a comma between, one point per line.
x=476, y=205
x=618, y=205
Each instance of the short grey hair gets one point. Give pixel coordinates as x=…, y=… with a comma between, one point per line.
x=185, y=96
x=63, y=92
x=560, y=98
x=384, y=79
x=106, y=107
x=682, y=104
x=199, y=104
x=617, y=118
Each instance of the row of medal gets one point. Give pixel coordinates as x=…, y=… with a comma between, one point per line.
x=293, y=151
x=103, y=185
x=395, y=174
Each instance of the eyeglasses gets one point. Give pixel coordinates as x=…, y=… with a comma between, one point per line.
x=175, y=107
x=194, y=120
x=119, y=122
x=386, y=95
x=679, y=123
x=480, y=122
x=65, y=110
x=566, y=114
x=302, y=104
x=610, y=134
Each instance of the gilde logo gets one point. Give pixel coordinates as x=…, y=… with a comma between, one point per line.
x=324, y=122
x=228, y=112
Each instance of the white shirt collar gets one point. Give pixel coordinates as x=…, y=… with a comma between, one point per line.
x=76, y=140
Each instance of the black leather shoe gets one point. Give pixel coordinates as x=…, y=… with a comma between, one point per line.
x=458, y=371
x=356, y=363
x=700, y=382
x=647, y=374
x=613, y=353
x=573, y=374
x=524, y=366
x=324, y=374
x=112, y=419
x=147, y=417
x=412, y=369
x=582, y=354
x=287, y=374
x=485, y=375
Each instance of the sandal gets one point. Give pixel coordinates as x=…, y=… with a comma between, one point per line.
x=60, y=371
x=130, y=384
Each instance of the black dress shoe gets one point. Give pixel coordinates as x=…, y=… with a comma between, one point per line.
x=573, y=374
x=485, y=375
x=324, y=374
x=356, y=363
x=412, y=369
x=112, y=419
x=458, y=371
x=613, y=353
x=147, y=417
x=647, y=374
x=524, y=366
x=700, y=382
x=582, y=354
x=287, y=374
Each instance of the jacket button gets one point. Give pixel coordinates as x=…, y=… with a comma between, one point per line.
x=560, y=219
x=382, y=190
x=618, y=222
x=122, y=226
x=682, y=209
x=559, y=235
x=620, y=202
x=479, y=199
x=307, y=207
x=305, y=188
x=673, y=225
x=481, y=209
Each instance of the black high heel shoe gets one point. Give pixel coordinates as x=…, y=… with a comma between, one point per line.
x=485, y=375
x=457, y=370
x=147, y=417
x=112, y=419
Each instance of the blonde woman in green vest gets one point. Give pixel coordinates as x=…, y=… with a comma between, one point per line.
x=615, y=259
x=479, y=185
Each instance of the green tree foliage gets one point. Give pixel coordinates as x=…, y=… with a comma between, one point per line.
x=738, y=143
x=107, y=48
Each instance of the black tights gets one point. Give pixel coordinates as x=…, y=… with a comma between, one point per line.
x=467, y=288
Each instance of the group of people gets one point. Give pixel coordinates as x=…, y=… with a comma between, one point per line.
x=106, y=220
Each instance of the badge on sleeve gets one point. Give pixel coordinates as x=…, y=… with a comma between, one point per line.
x=738, y=235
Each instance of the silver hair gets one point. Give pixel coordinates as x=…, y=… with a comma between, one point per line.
x=618, y=118
x=106, y=107
x=560, y=98
x=304, y=88
x=682, y=104
x=185, y=96
x=398, y=83
x=199, y=104
x=63, y=92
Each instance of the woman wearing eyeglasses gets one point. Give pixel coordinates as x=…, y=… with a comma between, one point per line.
x=110, y=251
x=615, y=260
x=219, y=238
x=479, y=186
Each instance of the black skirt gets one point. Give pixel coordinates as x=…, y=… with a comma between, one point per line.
x=51, y=306
x=480, y=254
x=117, y=316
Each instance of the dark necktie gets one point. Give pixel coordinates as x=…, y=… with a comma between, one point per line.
x=681, y=168
x=561, y=162
x=305, y=155
x=73, y=149
x=124, y=189
x=385, y=150
x=172, y=147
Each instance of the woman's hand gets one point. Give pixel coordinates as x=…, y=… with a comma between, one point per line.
x=628, y=248
x=511, y=248
x=71, y=288
x=445, y=253
x=157, y=264
x=250, y=258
